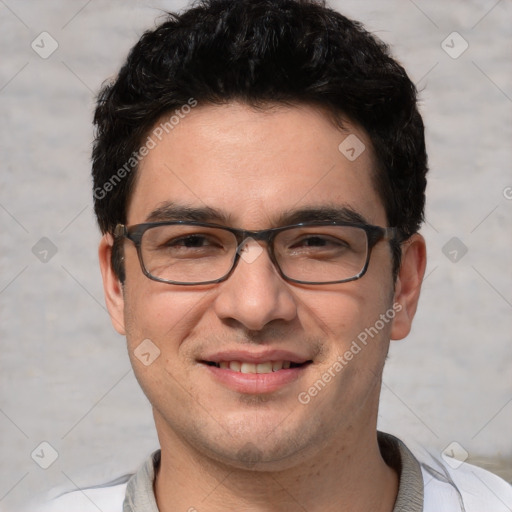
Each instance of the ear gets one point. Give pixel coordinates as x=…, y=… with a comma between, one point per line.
x=408, y=284
x=112, y=287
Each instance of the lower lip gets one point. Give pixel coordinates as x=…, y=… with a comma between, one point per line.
x=255, y=383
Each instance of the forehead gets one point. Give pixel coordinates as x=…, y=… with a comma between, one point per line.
x=251, y=166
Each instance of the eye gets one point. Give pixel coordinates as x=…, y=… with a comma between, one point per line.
x=192, y=241
x=320, y=241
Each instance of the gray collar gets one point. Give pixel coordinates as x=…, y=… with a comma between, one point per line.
x=140, y=496
x=400, y=458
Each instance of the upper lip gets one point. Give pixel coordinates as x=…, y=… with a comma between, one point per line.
x=248, y=356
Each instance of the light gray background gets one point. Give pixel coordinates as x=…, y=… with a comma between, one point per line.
x=64, y=374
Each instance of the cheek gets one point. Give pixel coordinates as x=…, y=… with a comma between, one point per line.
x=158, y=322
x=344, y=312
x=161, y=313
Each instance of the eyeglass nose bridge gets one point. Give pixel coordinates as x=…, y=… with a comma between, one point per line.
x=264, y=235
x=245, y=237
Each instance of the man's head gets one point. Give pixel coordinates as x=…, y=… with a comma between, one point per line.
x=285, y=113
x=271, y=52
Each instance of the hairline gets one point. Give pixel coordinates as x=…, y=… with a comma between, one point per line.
x=339, y=120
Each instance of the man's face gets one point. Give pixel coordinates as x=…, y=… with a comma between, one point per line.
x=256, y=169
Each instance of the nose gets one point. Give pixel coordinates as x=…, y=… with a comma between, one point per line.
x=255, y=294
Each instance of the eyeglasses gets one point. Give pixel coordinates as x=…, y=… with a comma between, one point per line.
x=194, y=253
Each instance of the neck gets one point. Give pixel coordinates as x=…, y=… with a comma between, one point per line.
x=350, y=475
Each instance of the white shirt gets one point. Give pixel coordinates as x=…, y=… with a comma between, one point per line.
x=426, y=485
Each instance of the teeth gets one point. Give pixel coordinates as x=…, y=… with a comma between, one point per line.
x=236, y=366
x=277, y=365
x=266, y=367
x=248, y=368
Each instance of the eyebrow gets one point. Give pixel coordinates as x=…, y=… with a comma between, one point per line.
x=169, y=211
x=321, y=213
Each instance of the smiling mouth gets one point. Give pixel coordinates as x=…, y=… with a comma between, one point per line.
x=265, y=367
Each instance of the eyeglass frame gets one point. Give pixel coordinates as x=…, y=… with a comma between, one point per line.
x=374, y=234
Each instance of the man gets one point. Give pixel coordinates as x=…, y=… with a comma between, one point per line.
x=259, y=177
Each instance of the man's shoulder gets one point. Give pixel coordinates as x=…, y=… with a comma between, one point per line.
x=107, y=498
x=463, y=486
x=448, y=485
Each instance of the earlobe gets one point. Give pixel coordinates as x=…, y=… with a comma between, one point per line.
x=112, y=287
x=408, y=284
